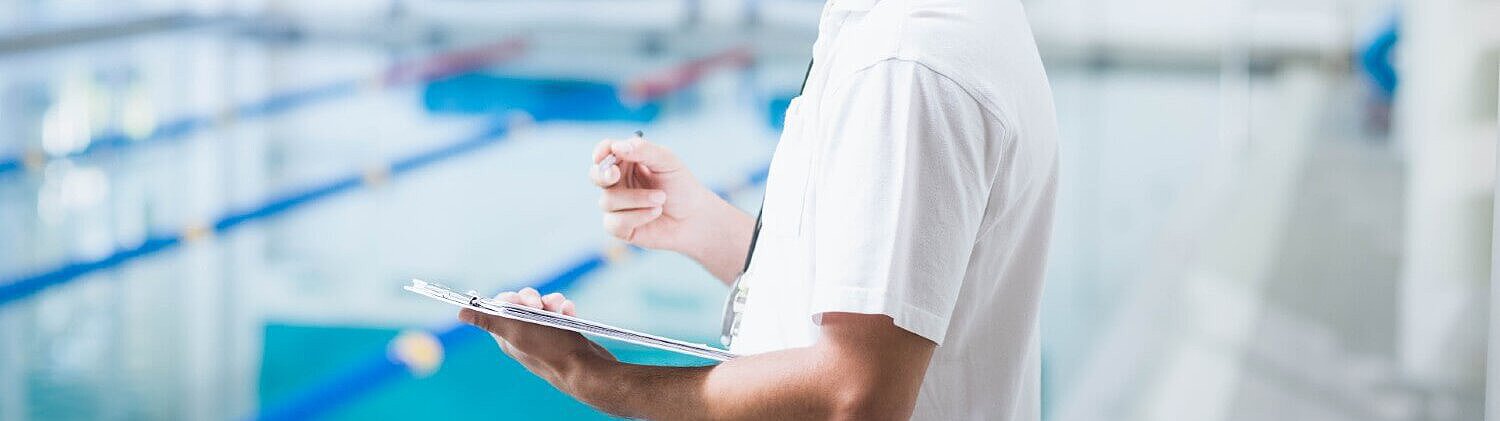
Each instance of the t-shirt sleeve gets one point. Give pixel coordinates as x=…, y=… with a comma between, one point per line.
x=902, y=184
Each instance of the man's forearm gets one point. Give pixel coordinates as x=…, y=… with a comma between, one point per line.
x=721, y=244
x=862, y=367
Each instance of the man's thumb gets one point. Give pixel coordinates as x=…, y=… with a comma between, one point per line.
x=479, y=320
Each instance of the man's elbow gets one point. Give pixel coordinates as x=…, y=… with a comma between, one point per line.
x=875, y=368
x=870, y=402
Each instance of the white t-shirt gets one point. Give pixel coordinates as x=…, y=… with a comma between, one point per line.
x=915, y=178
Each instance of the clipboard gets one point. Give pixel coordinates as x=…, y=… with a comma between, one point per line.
x=507, y=310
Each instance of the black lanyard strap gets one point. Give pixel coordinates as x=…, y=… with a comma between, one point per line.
x=754, y=237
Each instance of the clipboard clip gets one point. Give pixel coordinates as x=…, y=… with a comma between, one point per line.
x=442, y=292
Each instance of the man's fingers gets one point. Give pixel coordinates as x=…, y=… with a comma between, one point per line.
x=655, y=157
x=527, y=296
x=553, y=302
x=530, y=297
x=604, y=176
x=625, y=199
x=567, y=308
x=622, y=224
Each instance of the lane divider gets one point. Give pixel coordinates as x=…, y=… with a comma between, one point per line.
x=433, y=67
x=27, y=284
x=682, y=76
x=418, y=353
x=15, y=289
x=453, y=63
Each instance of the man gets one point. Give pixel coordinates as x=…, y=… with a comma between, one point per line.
x=898, y=266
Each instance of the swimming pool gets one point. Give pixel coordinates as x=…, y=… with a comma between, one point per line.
x=227, y=235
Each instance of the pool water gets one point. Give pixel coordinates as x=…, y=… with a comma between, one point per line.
x=477, y=380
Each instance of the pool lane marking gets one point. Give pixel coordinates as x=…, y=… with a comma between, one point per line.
x=425, y=69
x=369, y=374
x=453, y=63
x=659, y=84
x=13, y=289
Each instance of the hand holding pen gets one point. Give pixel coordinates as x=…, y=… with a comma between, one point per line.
x=650, y=199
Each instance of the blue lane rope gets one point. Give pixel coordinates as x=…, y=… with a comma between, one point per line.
x=373, y=371
x=181, y=127
x=24, y=286
x=27, y=284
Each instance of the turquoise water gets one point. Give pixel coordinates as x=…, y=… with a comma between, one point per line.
x=477, y=377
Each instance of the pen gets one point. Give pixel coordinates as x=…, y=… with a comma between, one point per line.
x=610, y=159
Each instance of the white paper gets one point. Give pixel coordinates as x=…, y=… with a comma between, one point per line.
x=547, y=318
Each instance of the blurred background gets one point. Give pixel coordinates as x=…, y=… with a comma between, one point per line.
x=1270, y=209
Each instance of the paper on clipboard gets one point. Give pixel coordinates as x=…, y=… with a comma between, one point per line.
x=546, y=318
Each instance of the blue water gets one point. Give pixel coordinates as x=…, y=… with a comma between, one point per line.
x=477, y=379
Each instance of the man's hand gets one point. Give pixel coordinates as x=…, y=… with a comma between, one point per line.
x=651, y=200
x=555, y=355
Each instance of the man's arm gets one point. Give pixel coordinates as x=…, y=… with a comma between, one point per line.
x=650, y=199
x=862, y=367
x=721, y=246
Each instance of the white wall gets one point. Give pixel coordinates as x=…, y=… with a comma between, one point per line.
x=1449, y=143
